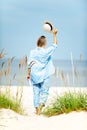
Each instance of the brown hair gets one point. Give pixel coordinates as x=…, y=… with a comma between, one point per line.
x=41, y=41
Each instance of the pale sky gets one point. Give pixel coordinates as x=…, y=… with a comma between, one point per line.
x=21, y=24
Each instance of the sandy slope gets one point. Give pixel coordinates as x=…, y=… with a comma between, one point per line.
x=10, y=120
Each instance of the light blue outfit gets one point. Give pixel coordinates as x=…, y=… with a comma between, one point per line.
x=40, y=72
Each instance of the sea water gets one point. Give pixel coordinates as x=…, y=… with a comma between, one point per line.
x=66, y=74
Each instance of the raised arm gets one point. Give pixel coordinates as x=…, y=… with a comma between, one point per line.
x=50, y=50
x=54, y=36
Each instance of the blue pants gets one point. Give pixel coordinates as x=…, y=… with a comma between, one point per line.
x=41, y=92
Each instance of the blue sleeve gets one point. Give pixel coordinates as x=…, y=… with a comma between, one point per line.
x=50, y=50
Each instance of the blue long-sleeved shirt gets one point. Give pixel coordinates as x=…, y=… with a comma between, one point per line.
x=43, y=67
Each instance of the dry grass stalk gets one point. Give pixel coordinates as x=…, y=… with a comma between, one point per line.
x=5, y=72
x=80, y=57
x=17, y=93
x=63, y=78
x=67, y=79
x=23, y=62
x=72, y=63
x=75, y=72
x=21, y=94
x=14, y=76
x=2, y=53
x=12, y=59
x=1, y=73
x=9, y=66
x=3, y=63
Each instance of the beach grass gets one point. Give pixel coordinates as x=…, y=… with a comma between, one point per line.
x=68, y=102
x=9, y=102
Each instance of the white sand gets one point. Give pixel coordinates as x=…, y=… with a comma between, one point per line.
x=10, y=120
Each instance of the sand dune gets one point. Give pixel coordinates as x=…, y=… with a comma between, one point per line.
x=10, y=120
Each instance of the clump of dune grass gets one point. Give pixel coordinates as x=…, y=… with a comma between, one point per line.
x=68, y=102
x=9, y=102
